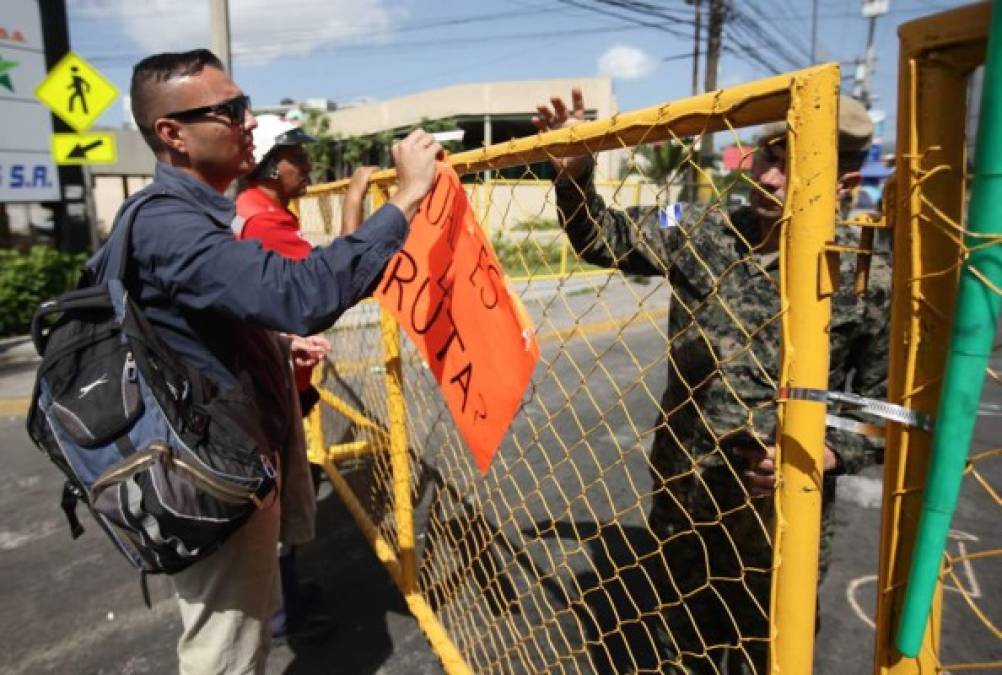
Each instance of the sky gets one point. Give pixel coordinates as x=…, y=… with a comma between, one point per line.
x=353, y=50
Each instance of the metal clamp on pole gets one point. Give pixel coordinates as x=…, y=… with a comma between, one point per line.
x=867, y=406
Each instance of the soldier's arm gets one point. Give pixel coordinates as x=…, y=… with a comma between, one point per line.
x=610, y=237
x=868, y=355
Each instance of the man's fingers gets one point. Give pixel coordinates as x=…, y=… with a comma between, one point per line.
x=318, y=343
x=577, y=103
x=538, y=123
x=420, y=138
x=559, y=109
x=758, y=484
x=545, y=114
x=415, y=138
x=751, y=454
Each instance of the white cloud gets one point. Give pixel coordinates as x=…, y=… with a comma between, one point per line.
x=626, y=63
x=260, y=30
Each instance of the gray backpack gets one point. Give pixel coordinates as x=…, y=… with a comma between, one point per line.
x=167, y=464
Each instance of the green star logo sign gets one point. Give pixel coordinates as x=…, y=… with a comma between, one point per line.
x=5, y=68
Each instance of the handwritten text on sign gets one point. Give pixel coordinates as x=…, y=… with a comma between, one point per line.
x=448, y=291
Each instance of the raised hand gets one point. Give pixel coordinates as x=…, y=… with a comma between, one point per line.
x=414, y=158
x=559, y=116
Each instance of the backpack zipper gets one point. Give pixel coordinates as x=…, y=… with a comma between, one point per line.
x=155, y=451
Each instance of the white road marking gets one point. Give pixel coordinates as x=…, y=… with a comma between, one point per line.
x=10, y=540
x=850, y=596
x=29, y=482
x=972, y=588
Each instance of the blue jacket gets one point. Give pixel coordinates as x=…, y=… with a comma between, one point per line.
x=201, y=288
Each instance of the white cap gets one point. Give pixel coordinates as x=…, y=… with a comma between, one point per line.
x=272, y=131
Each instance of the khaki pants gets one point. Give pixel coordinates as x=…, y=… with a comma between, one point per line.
x=227, y=600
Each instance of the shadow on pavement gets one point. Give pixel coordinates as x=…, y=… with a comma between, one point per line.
x=619, y=608
x=356, y=591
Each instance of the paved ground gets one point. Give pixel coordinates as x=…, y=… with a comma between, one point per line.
x=74, y=607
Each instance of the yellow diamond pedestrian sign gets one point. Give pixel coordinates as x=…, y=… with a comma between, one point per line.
x=84, y=148
x=76, y=92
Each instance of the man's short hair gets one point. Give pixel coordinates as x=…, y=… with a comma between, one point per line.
x=153, y=71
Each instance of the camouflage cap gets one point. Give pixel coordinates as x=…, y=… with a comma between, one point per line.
x=855, y=129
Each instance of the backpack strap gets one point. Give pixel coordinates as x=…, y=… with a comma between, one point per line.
x=116, y=258
x=68, y=502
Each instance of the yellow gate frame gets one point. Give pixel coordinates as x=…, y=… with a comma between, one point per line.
x=937, y=55
x=807, y=99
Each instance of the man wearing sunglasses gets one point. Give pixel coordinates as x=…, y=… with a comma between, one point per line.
x=712, y=459
x=216, y=302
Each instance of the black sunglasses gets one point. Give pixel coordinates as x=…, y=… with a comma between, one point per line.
x=234, y=110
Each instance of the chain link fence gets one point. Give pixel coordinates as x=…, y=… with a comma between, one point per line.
x=616, y=530
x=938, y=98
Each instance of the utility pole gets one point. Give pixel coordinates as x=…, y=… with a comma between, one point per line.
x=219, y=32
x=696, y=37
x=219, y=43
x=864, y=70
x=814, y=33
x=714, y=38
x=714, y=35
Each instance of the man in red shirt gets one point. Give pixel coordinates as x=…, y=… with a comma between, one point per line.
x=281, y=174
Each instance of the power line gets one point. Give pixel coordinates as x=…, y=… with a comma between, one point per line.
x=366, y=50
x=637, y=21
x=782, y=8
x=798, y=58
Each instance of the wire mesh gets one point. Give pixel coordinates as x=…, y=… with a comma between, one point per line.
x=615, y=530
x=939, y=62
x=970, y=573
x=971, y=562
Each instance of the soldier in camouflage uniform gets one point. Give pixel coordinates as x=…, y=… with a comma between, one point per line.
x=712, y=456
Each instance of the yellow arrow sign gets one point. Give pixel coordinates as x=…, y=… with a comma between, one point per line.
x=84, y=149
x=76, y=92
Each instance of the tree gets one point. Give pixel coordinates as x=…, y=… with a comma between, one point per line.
x=322, y=153
x=657, y=162
x=334, y=156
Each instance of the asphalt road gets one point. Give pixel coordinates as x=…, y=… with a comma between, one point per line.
x=556, y=529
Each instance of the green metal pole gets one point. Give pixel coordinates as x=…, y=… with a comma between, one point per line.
x=974, y=321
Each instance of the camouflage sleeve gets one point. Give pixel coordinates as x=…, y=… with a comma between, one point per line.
x=610, y=237
x=868, y=356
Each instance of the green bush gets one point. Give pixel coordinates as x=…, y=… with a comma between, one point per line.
x=28, y=280
x=537, y=225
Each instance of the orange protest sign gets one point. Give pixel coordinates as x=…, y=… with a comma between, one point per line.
x=448, y=290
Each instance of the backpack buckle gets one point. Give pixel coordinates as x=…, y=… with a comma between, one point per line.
x=269, y=468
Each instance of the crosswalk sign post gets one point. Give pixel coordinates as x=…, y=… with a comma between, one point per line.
x=76, y=92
